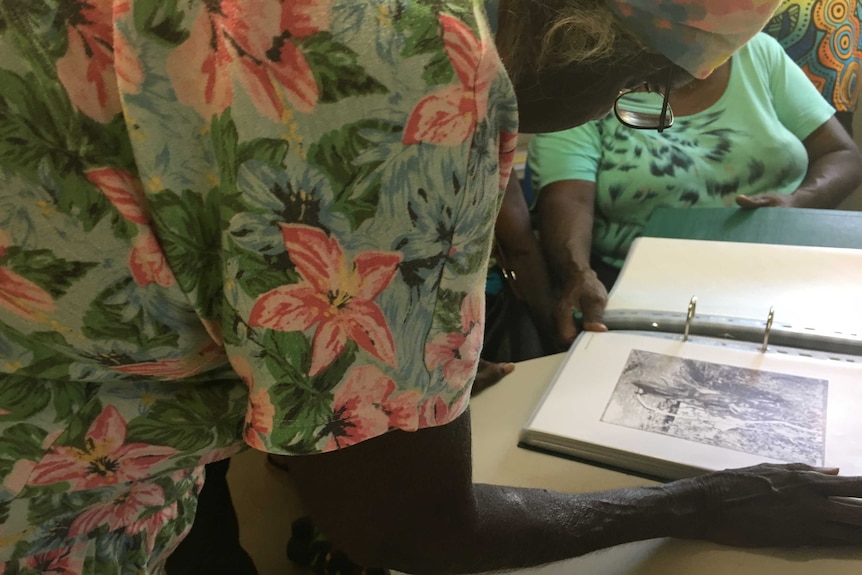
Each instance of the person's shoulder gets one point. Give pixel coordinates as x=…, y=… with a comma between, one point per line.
x=762, y=47
x=577, y=133
x=548, y=151
x=762, y=56
x=548, y=147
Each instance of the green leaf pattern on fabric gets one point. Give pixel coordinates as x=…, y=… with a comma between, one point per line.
x=222, y=228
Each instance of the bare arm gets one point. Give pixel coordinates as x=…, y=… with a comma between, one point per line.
x=524, y=256
x=834, y=167
x=834, y=172
x=566, y=229
x=406, y=501
x=566, y=225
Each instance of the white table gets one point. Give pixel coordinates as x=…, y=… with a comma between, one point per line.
x=499, y=413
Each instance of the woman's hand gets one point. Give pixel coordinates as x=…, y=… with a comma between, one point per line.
x=766, y=201
x=566, y=229
x=778, y=505
x=490, y=373
x=583, y=292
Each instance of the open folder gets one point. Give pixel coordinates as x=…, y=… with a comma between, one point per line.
x=718, y=355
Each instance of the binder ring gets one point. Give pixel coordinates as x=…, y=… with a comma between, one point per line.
x=769, y=320
x=692, y=308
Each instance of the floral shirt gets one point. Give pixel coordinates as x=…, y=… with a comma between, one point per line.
x=226, y=220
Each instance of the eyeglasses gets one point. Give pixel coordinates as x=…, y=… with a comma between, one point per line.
x=645, y=109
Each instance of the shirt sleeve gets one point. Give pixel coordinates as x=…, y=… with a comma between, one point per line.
x=572, y=154
x=377, y=323
x=348, y=189
x=800, y=107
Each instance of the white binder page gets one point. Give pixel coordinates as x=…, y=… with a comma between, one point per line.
x=655, y=404
x=809, y=287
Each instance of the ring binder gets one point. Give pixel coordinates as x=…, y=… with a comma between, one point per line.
x=722, y=373
x=689, y=317
x=769, y=320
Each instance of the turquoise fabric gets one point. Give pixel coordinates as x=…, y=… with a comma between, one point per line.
x=748, y=142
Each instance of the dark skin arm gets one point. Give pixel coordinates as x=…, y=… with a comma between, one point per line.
x=406, y=501
x=566, y=228
x=834, y=172
x=523, y=254
x=489, y=373
x=514, y=233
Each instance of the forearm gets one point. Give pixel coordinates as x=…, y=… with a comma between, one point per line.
x=566, y=230
x=834, y=168
x=531, y=272
x=830, y=180
x=406, y=501
x=522, y=254
x=518, y=528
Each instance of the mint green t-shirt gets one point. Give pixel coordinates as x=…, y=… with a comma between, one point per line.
x=748, y=142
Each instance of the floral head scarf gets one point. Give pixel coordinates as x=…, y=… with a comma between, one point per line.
x=697, y=35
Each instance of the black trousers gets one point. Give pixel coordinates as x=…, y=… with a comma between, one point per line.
x=212, y=546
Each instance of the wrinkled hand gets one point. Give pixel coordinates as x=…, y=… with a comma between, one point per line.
x=780, y=506
x=490, y=373
x=586, y=294
x=765, y=201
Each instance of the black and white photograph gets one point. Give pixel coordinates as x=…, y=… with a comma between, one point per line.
x=769, y=414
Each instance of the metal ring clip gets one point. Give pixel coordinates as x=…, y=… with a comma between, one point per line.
x=769, y=321
x=692, y=308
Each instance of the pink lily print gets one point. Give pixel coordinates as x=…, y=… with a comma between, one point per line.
x=257, y=42
x=147, y=261
x=259, y=418
x=435, y=411
x=449, y=116
x=123, y=190
x=334, y=295
x=16, y=479
x=366, y=405
x=458, y=353
x=208, y=356
x=260, y=413
x=121, y=511
x=153, y=524
x=65, y=561
x=508, y=144
x=105, y=459
x=22, y=297
x=87, y=69
x=19, y=295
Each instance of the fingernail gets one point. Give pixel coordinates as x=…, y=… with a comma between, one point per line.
x=508, y=367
